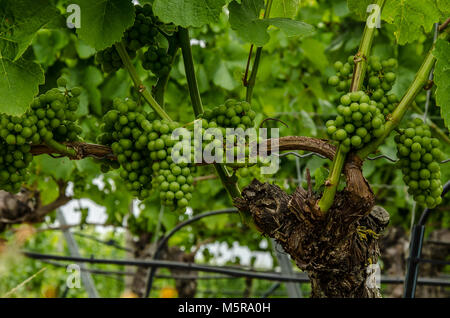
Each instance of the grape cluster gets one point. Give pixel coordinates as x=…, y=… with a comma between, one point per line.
x=143, y=31
x=379, y=80
x=359, y=119
x=143, y=147
x=14, y=160
x=141, y=34
x=51, y=120
x=233, y=114
x=420, y=156
x=110, y=60
x=157, y=60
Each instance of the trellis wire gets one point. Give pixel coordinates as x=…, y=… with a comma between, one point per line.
x=166, y=238
x=266, y=275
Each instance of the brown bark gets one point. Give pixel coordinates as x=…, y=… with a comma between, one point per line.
x=336, y=248
x=26, y=206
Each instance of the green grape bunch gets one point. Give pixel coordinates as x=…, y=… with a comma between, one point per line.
x=358, y=121
x=379, y=79
x=110, y=60
x=419, y=157
x=232, y=114
x=141, y=34
x=50, y=120
x=157, y=60
x=143, y=147
x=144, y=30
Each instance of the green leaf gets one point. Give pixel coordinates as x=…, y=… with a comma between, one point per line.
x=19, y=83
x=359, y=7
x=104, y=22
x=410, y=18
x=244, y=19
x=320, y=175
x=314, y=51
x=23, y=19
x=284, y=8
x=291, y=27
x=188, y=13
x=223, y=78
x=47, y=44
x=442, y=78
x=59, y=168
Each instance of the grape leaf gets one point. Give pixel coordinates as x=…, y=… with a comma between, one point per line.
x=359, y=7
x=291, y=27
x=284, y=8
x=244, y=18
x=59, y=168
x=411, y=17
x=442, y=79
x=21, y=20
x=104, y=22
x=19, y=83
x=188, y=13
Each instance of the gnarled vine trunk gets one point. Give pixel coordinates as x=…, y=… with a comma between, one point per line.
x=335, y=249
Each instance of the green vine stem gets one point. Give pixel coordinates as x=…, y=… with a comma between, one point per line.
x=395, y=118
x=437, y=131
x=190, y=71
x=160, y=87
x=360, y=60
x=227, y=180
x=138, y=83
x=61, y=148
x=252, y=80
x=333, y=181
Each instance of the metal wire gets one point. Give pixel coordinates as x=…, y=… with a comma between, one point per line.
x=110, y=242
x=166, y=238
x=273, y=276
x=310, y=154
x=384, y=157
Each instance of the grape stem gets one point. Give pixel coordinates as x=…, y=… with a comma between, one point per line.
x=250, y=84
x=183, y=36
x=360, y=60
x=60, y=148
x=120, y=47
x=227, y=180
